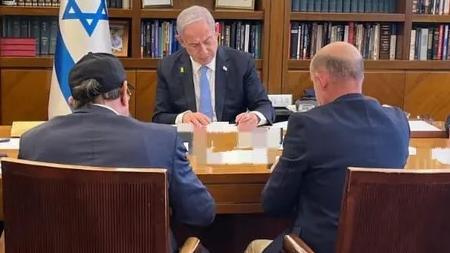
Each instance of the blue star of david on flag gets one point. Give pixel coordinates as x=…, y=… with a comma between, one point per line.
x=83, y=27
x=88, y=20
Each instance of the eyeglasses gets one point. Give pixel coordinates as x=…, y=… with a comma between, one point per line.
x=130, y=89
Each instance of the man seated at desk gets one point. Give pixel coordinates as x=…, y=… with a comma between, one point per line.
x=203, y=82
x=100, y=132
x=346, y=129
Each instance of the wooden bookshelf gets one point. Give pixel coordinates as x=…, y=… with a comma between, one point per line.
x=17, y=73
x=419, y=87
x=357, y=17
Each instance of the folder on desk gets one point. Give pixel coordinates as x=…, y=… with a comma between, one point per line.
x=20, y=127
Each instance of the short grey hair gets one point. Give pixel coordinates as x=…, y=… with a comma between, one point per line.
x=87, y=92
x=339, y=68
x=193, y=14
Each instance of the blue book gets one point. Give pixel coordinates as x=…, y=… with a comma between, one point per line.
x=339, y=4
x=361, y=7
x=380, y=6
x=318, y=5
x=295, y=5
x=303, y=5
x=310, y=5
x=369, y=4
x=354, y=5
x=325, y=7
x=332, y=6
x=346, y=5
x=294, y=40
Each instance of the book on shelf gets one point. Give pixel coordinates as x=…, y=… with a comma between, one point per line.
x=367, y=6
x=374, y=40
x=431, y=7
x=158, y=37
x=43, y=30
x=17, y=47
x=430, y=42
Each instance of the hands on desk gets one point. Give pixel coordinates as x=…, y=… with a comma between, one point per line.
x=247, y=121
x=198, y=119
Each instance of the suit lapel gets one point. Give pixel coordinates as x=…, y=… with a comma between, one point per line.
x=222, y=69
x=186, y=76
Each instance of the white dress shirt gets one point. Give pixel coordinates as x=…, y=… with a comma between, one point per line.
x=211, y=75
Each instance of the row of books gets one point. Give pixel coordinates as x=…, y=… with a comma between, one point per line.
x=241, y=35
x=53, y=3
x=124, y=4
x=158, y=37
x=121, y=4
x=374, y=41
x=430, y=43
x=386, y=6
x=434, y=7
x=43, y=29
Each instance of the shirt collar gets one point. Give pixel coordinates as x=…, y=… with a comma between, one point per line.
x=196, y=66
x=107, y=107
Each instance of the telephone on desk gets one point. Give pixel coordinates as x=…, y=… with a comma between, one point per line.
x=306, y=102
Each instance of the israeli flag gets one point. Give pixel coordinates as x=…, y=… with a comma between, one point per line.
x=83, y=28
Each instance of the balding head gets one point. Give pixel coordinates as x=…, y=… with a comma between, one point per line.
x=337, y=69
x=341, y=60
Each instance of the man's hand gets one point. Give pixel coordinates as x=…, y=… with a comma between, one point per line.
x=247, y=121
x=198, y=119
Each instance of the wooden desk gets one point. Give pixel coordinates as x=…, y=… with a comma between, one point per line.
x=431, y=134
x=237, y=191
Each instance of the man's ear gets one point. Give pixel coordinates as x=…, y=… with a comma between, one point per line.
x=323, y=79
x=180, y=39
x=71, y=102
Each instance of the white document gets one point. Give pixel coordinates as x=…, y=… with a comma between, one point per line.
x=281, y=124
x=13, y=143
x=441, y=154
x=420, y=125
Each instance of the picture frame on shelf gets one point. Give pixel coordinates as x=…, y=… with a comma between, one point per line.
x=119, y=37
x=156, y=3
x=235, y=4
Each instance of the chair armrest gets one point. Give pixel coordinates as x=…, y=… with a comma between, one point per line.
x=191, y=245
x=293, y=244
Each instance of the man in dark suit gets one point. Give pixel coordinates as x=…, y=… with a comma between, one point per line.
x=100, y=132
x=203, y=82
x=346, y=129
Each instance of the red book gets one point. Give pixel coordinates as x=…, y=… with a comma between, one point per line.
x=18, y=41
x=18, y=53
x=351, y=33
x=17, y=47
x=441, y=34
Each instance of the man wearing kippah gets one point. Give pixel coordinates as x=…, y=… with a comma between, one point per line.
x=100, y=132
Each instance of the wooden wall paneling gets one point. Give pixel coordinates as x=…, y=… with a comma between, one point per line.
x=145, y=94
x=24, y=94
x=296, y=82
x=388, y=87
x=428, y=93
x=275, y=57
x=286, y=46
x=265, y=42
